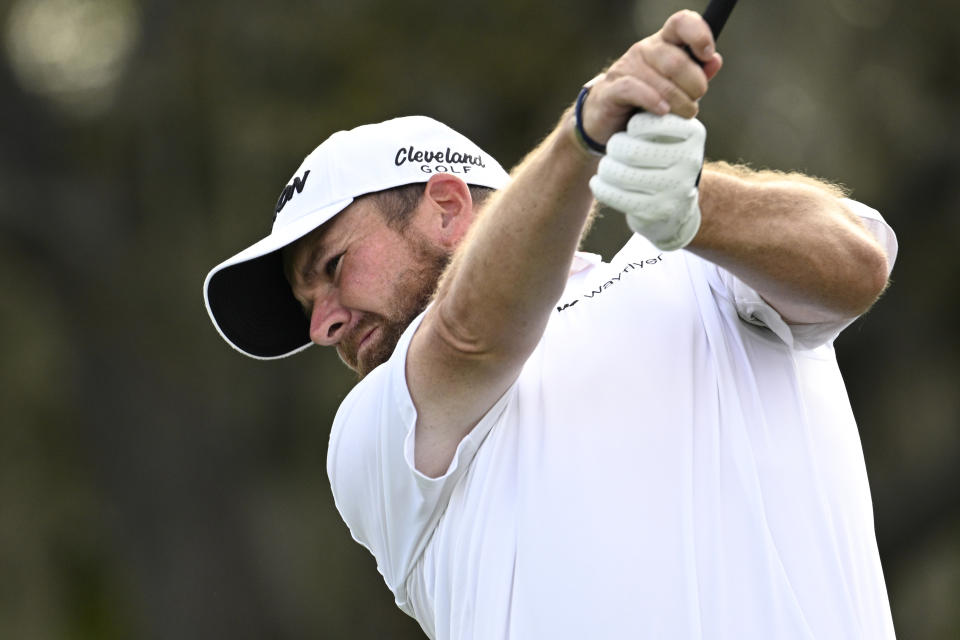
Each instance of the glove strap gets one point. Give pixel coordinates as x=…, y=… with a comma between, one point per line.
x=589, y=143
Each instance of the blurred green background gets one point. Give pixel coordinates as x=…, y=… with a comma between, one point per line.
x=156, y=484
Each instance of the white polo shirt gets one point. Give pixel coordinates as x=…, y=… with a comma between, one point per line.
x=674, y=462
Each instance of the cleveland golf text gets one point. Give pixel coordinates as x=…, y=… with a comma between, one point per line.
x=448, y=157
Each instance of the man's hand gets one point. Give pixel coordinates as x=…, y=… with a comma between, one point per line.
x=650, y=173
x=655, y=75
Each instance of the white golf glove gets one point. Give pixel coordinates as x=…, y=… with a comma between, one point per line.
x=650, y=174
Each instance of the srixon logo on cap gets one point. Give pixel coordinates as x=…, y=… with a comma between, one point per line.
x=447, y=161
x=288, y=191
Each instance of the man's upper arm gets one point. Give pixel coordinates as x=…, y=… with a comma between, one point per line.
x=453, y=386
x=389, y=507
x=754, y=309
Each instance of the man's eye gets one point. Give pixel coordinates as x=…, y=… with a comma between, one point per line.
x=331, y=267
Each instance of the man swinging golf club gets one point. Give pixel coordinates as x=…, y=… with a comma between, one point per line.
x=547, y=445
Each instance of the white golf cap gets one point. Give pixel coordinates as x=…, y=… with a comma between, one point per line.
x=248, y=297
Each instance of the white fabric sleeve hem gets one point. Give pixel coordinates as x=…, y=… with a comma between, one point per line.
x=467, y=447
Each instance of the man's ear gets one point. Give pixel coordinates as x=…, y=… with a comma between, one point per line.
x=448, y=199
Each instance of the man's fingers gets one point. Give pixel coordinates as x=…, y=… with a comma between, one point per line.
x=646, y=92
x=674, y=65
x=712, y=66
x=689, y=28
x=635, y=179
x=658, y=142
x=650, y=90
x=665, y=129
x=617, y=198
x=643, y=154
x=655, y=75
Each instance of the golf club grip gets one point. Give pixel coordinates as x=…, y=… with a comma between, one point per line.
x=716, y=15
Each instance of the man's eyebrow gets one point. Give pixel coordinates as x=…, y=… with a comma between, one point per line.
x=299, y=259
x=308, y=271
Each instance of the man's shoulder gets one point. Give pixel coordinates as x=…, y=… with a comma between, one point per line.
x=361, y=420
x=364, y=397
x=382, y=394
x=381, y=397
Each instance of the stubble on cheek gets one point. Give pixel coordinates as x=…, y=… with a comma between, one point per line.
x=380, y=349
x=414, y=290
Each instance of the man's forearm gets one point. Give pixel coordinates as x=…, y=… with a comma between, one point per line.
x=792, y=240
x=494, y=301
x=512, y=266
x=496, y=296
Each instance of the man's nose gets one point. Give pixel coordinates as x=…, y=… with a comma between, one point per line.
x=328, y=321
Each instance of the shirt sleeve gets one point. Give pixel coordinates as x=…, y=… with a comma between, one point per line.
x=755, y=310
x=389, y=506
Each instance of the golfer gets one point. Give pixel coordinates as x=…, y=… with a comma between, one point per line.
x=547, y=445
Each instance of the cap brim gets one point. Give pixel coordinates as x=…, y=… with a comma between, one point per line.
x=249, y=299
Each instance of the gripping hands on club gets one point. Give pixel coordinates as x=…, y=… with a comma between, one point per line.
x=650, y=170
x=650, y=173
